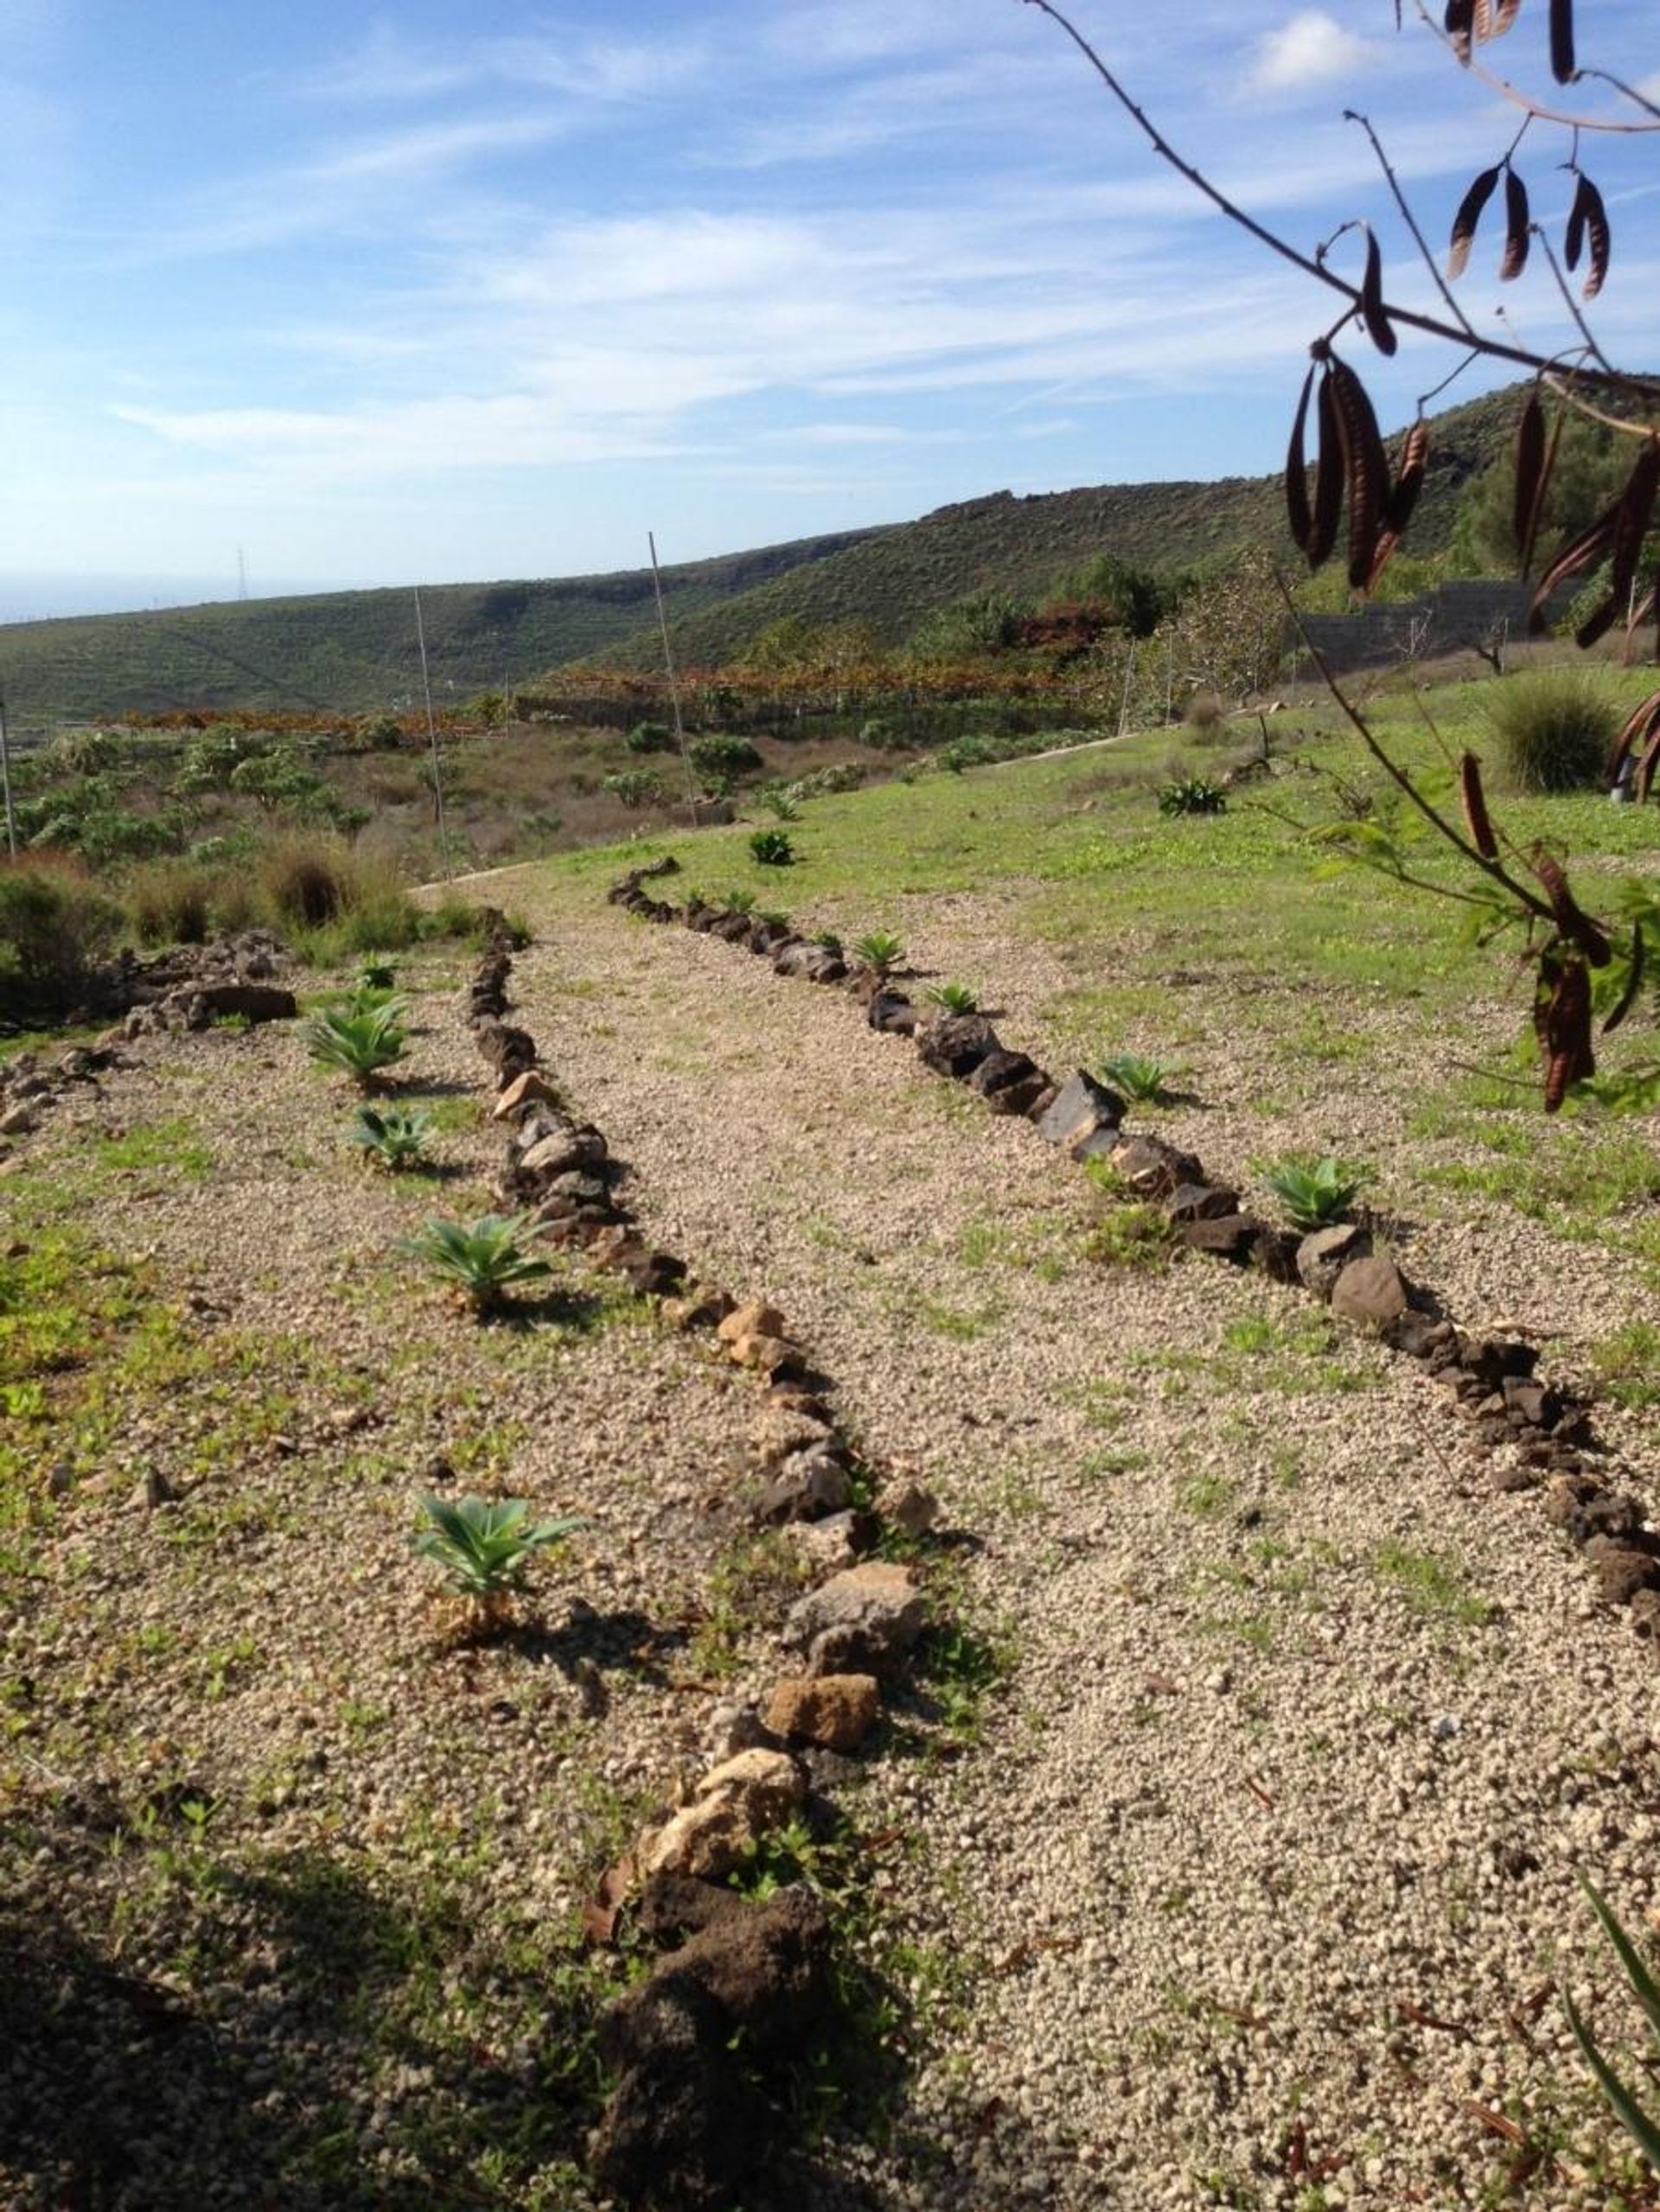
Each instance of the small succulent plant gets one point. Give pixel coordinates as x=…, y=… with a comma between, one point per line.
x=1192, y=795
x=773, y=848
x=1135, y=1076
x=880, y=952
x=952, y=998
x=482, y=1259
x=1641, y=2125
x=393, y=1138
x=480, y=1546
x=1315, y=1192
x=358, y=1039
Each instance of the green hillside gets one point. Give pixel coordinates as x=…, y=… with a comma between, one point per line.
x=354, y=650
x=891, y=578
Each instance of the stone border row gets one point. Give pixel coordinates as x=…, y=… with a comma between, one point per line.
x=1492, y=1378
x=686, y=2120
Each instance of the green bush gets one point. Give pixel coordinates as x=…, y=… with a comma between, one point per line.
x=56, y=926
x=723, y=755
x=1192, y=795
x=173, y=902
x=650, y=737
x=634, y=787
x=1553, y=729
x=772, y=849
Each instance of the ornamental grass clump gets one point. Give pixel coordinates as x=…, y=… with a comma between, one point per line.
x=1553, y=729
x=359, y=1039
x=482, y=1260
x=480, y=1545
x=1315, y=1192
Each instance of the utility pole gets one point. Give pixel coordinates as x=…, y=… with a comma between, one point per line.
x=5, y=781
x=432, y=735
x=673, y=684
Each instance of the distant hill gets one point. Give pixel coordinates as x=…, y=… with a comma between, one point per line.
x=349, y=651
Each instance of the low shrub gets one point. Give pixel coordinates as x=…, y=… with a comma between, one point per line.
x=723, y=754
x=1552, y=730
x=772, y=849
x=634, y=787
x=650, y=737
x=56, y=926
x=1192, y=795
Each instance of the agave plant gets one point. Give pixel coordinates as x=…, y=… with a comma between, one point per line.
x=359, y=1039
x=738, y=902
x=1135, y=1076
x=376, y=978
x=392, y=1139
x=880, y=952
x=1192, y=795
x=952, y=998
x=772, y=849
x=1639, y=2125
x=482, y=1259
x=1314, y=1192
x=480, y=1545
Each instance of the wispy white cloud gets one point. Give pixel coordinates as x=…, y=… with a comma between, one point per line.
x=1311, y=48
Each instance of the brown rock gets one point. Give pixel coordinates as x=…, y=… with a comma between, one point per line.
x=1324, y=1253
x=700, y=1309
x=530, y=1088
x=769, y=1355
x=835, y=1711
x=1622, y=1570
x=755, y=1318
x=1152, y=1168
x=1372, y=1292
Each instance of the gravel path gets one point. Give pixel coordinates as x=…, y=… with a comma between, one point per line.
x=1253, y=1891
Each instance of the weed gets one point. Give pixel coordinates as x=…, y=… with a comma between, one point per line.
x=1627, y=1365
x=1432, y=1586
x=1132, y=1235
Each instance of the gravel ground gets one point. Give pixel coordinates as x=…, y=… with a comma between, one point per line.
x=1249, y=1887
x=1253, y=1891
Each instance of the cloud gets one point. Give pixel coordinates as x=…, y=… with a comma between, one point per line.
x=1312, y=49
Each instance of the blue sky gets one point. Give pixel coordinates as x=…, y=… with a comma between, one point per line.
x=417, y=292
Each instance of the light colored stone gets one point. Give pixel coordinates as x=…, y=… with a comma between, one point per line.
x=757, y=1319
x=530, y=1088
x=1371, y=1291
x=735, y=1805
x=863, y=1620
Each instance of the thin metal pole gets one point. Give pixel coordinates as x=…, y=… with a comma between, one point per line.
x=432, y=735
x=674, y=682
x=5, y=783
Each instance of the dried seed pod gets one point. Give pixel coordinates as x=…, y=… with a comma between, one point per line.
x=1583, y=552
x=1642, y=780
x=1503, y=15
x=1378, y=327
x=1465, y=221
x=1585, y=935
x=1517, y=234
x=1328, y=479
x=1384, y=551
x=1631, y=526
x=1366, y=469
x=1460, y=20
x=1627, y=998
x=1570, y=1056
x=1542, y=487
x=1298, y=512
x=1476, y=818
x=1588, y=217
x=1408, y=477
x=1636, y=731
x=1561, y=42
x=1529, y=473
